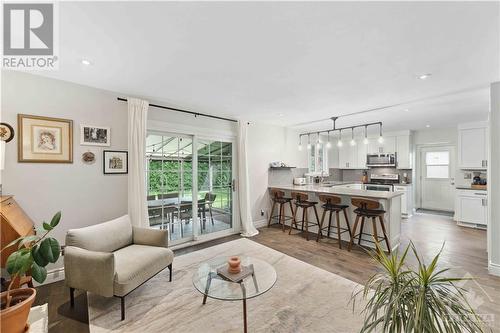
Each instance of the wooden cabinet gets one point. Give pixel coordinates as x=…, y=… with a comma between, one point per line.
x=473, y=146
x=404, y=156
x=471, y=207
x=14, y=224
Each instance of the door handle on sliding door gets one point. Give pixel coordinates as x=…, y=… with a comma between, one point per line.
x=233, y=185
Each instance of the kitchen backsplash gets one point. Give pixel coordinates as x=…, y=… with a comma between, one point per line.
x=286, y=176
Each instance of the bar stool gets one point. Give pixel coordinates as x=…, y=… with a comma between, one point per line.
x=368, y=209
x=302, y=201
x=278, y=197
x=332, y=204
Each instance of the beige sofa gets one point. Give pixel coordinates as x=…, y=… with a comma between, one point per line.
x=114, y=258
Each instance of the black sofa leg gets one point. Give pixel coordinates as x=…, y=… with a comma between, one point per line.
x=170, y=269
x=72, y=297
x=123, y=307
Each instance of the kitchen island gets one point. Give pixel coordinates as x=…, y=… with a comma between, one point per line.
x=390, y=202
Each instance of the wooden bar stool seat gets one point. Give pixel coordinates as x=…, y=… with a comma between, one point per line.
x=278, y=198
x=333, y=204
x=367, y=208
x=302, y=201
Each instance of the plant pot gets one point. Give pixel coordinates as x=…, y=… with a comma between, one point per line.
x=14, y=318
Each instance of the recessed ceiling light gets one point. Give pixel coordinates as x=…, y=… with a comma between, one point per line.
x=427, y=125
x=280, y=114
x=86, y=62
x=407, y=110
x=424, y=76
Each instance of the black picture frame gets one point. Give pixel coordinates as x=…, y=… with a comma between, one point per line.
x=105, y=160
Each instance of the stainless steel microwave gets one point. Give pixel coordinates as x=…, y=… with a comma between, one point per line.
x=381, y=160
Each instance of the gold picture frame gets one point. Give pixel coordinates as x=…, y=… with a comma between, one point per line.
x=44, y=139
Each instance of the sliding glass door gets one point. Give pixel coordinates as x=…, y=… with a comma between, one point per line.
x=181, y=168
x=215, y=185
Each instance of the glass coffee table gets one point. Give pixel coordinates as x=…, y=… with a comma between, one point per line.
x=210, y=284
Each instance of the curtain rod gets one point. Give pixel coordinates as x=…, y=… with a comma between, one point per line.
x=196, y=114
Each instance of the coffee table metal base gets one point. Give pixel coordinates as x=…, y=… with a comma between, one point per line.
x=213, y=275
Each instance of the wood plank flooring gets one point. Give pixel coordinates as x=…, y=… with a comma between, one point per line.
x=464, y=251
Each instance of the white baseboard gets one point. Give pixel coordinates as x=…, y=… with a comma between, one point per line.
x=494, y=269
x=53, y=275
x=260, y=223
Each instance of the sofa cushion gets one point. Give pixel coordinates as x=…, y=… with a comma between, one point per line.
x=104, y=237
x=135, y=264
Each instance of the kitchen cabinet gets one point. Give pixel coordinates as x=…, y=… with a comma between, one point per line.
x=404, y=156
x=406, y=199
x=348, y=157
x=387, y=146
x=353, y=157
x=471, y=208
x=473, y=146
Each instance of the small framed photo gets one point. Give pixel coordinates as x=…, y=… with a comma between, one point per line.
x=44, y=139
x=95, y=136
x=115, y=162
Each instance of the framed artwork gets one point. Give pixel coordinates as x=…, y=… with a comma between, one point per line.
x=95, y=136
x=115, y=162
x=44, y=139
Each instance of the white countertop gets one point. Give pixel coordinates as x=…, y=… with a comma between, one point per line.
x=339, y=191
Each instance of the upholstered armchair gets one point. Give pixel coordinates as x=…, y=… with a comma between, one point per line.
x=114, y=258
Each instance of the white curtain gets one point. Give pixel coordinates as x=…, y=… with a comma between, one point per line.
x=248, y=229
x=137, y=119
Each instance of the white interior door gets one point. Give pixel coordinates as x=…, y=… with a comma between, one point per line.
x=437, y=173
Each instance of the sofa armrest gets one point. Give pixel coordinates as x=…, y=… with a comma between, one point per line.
x=151, y=237
x=89, y=270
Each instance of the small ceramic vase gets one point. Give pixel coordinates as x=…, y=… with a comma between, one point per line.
x=234, y=265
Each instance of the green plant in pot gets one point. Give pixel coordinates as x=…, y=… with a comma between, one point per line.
x=34, y=253
x=401, y=299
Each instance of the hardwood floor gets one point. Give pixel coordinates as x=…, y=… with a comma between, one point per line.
x=464, y=251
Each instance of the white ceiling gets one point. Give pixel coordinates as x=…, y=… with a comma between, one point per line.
x=290, y=63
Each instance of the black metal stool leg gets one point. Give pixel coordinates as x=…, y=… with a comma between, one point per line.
x=339, y=239
x=361, y=229
x=321, y=226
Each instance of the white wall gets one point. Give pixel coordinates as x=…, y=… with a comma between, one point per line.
x=494, y=183
x=82, y=192
x=269, y=143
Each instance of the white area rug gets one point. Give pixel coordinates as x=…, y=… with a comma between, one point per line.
x=304, y=299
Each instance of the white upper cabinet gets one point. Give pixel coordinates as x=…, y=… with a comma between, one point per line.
x=388, y=145
x=473, y=146
x=404, y=152
x=348, y=158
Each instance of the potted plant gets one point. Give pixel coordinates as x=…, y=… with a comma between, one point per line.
x=401, y=299
x=33, y=254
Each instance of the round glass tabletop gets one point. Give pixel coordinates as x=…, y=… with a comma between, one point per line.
x=209, y=283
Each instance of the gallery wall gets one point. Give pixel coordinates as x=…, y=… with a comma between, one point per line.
x=82, y=192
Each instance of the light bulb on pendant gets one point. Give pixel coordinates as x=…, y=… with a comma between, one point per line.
x=365, y=140
x=300, y=142
x=328, y=144
x=339, y=143
x=353, y=142
x=380, y=138
x=318, y=140
x=308, y=141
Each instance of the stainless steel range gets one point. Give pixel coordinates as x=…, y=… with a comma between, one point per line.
x=383, y=182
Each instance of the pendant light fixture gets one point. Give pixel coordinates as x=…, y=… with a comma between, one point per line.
x=365, y=140
x=380, y=138
x=339, y=141
x=300, y=142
